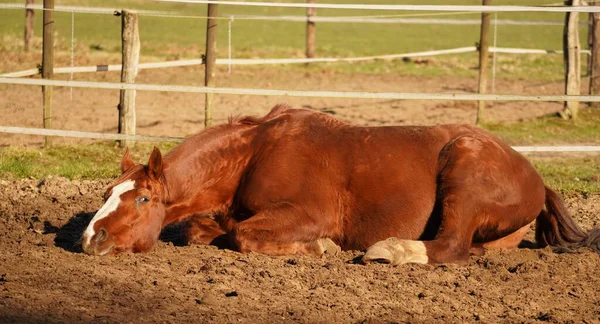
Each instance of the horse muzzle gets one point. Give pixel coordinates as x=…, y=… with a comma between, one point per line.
x=101, y=243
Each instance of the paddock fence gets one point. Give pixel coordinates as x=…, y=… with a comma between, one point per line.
x=279, y=61
x=388, y=19
x=18, y=78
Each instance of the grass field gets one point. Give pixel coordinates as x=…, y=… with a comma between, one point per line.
x=173, y=38
x=550, y=129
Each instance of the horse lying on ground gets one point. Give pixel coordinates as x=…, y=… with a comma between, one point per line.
x=299, y=182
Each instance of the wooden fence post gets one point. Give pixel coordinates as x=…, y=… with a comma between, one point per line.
x=572, y=58
x=483, y=59
x=28, y=33
x=595, y=57
x=130, y=40
x=590, y=30
x=48, y=64
x=210, y=61
x=311, y=30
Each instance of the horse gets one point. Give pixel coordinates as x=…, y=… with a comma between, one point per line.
x=296, y=181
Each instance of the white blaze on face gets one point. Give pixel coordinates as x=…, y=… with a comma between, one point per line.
x=109, y=206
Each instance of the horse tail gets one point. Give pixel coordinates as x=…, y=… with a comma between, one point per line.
x=556, y=227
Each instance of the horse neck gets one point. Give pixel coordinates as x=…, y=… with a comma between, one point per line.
x=203, y=173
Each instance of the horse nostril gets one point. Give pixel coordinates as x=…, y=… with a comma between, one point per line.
x=101, y=236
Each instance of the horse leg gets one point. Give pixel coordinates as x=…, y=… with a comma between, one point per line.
x=484, y=192
x=509, y=241
x=452, y=243
x=202, y=230
x=282, y=230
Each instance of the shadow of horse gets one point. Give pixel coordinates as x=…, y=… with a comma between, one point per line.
x=174, y=234
x=68, y=237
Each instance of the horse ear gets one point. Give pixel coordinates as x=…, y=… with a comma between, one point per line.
x=126, y=162
x=155, y=165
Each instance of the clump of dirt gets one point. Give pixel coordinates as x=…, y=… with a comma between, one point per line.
x=45, y=278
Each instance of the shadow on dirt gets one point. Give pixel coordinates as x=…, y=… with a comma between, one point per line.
x=173, y=234
x=68, y=237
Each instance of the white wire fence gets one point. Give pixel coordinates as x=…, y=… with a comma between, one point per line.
x=279, y=61
x=378, y=19
x=16, y=77
x=436, y=8
x=300, y=93
x=104, y=136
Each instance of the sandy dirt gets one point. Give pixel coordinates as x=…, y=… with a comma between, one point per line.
x=44, y=277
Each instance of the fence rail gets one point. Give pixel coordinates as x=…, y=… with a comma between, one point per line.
x=303, y=19
x=299, y=93
x=76, y=9
x=399, y=20
x=180, y=63
x=439, y=8
x=104, y=136
x=88, y=135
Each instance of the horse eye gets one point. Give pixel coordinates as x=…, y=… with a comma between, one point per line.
x=142, y=199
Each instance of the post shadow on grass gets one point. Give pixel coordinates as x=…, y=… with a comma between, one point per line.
x=68, y=237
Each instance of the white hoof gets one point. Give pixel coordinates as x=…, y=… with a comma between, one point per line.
x=396, y=251
x=326, y=245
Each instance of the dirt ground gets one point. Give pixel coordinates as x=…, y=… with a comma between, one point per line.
x=44, y=277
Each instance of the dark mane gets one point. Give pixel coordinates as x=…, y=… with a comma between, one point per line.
x=276, y=111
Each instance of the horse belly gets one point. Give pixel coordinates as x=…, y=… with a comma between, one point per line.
x=393, y=194
x=405, y=217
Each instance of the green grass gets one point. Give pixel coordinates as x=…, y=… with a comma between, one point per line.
x=570, y=175
x=96, y=161
x=551, y=130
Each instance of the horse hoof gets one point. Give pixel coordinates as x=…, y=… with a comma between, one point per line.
x=327, y=246
x=378, y=253
x=395, y=251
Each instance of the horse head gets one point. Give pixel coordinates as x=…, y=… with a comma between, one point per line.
x=133, y=212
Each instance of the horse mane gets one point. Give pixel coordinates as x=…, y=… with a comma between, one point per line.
x=215, y=132
x=275, y=112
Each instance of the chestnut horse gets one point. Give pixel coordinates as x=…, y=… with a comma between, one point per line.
x=297, y=181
